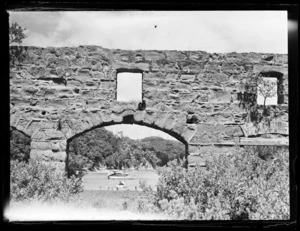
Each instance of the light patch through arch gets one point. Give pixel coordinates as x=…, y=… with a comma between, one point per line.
x=134, y=131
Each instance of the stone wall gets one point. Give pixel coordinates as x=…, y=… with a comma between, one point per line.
x=58, y=93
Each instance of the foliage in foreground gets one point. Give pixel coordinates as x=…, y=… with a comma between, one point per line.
x=38, y=181
x=249, y=184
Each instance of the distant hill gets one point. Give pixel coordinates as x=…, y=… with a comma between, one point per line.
x=101, y=147
x=165, y=150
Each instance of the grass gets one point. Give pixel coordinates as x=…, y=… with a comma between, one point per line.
x=97, y=195
x=115, y=200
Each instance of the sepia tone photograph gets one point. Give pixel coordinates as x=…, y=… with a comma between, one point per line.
x=148, y=115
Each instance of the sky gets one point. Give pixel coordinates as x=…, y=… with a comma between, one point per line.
x=210, y=31
x=137, y=131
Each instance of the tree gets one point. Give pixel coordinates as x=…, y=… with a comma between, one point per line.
x=16, y=36
x=256, y=85
x=267, y=89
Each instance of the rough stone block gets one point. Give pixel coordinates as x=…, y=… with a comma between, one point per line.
x=84, y=75
x=279, y=127
x=175, y=55
x=38, y=136
x=55, y=146
x=41, y=145
x=21, y=82
x=74, y=83
x=47, y=155
x=37, y=72
x=149, y=117
x=15, y=92
x=154, y=55
x=94, y=103
x=86, y=93
x=139, y=116
x=220, y=77
x=106, y=116
x=170, y=121
x=52, y=134
x=32, y=127
x=63, y=145
x=47, y=92
x=107, y=85
x=29, y=91
x=219, y=96
x=189, y=132
x=264, y=141
x=90, y=85
x=58, y=104
x=130, y=66
x=179, y=127
x=65, y=91
x=105, y=94
x=95, y=116
x=187, y=78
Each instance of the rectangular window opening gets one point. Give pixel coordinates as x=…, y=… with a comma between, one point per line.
x=129, y=86
x=267, y=91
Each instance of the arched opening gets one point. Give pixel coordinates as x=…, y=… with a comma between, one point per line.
x=105, y=150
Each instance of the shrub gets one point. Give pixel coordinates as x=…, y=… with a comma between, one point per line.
x=42, y=182
x=251, y=183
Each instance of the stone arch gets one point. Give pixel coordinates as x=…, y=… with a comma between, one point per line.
x=170, y=125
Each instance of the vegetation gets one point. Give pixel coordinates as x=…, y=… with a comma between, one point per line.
x=31, y=180
x=19, y=146
x=38, y=181
x=16, y=37
x=249, y=184
x=166, y=150
x=100, y=147
x=256, y=84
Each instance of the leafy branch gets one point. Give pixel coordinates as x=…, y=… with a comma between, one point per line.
x=16, y=36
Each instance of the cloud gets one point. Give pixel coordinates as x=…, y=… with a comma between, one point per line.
x=212, y=31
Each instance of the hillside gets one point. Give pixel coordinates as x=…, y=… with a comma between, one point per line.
x=165, y=150
x=101, y=147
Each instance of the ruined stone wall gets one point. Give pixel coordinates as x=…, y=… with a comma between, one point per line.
x=58, y=93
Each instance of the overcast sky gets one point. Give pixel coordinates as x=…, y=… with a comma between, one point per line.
x=211, y=31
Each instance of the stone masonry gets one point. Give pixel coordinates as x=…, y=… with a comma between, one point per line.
x=59, y=93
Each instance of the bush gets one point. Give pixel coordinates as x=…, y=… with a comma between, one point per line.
x=42, y=182
x=251, y=183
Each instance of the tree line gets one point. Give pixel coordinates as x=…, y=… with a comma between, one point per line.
x=101, y=148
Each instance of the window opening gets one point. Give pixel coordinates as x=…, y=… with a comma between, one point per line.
x=267, y=91
x=129, y=86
